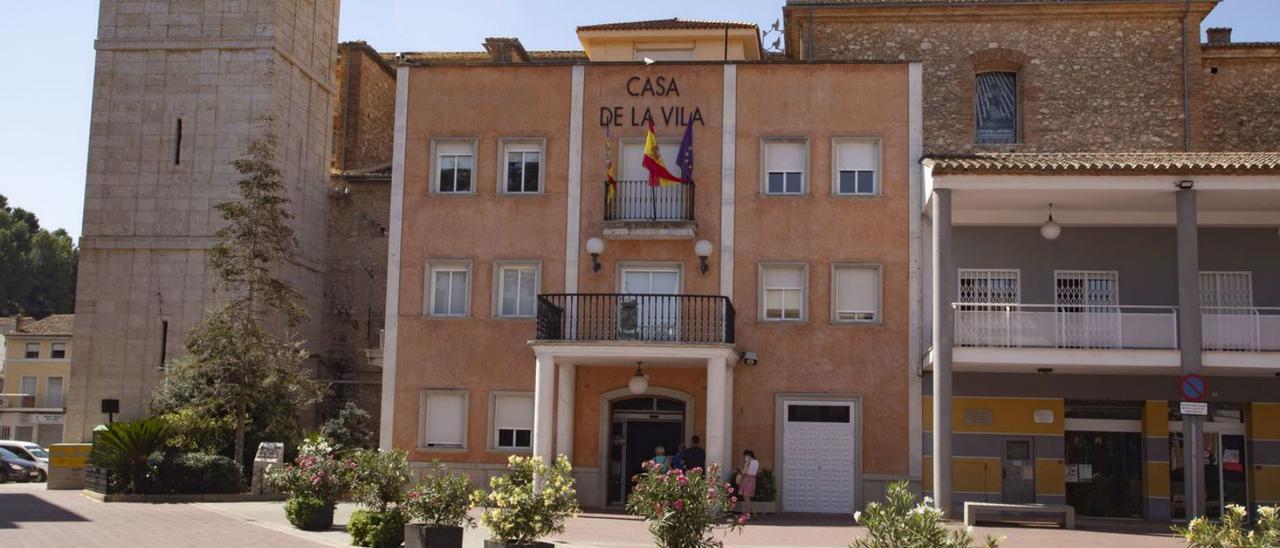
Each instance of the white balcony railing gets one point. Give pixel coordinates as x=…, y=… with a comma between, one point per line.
x=1241, y=329
x=1061, y=326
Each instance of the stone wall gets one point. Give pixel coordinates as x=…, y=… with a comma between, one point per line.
x=218, y=66
x=1091, y=78
x=356, y=287
x=363, y=124
x=1241, y=97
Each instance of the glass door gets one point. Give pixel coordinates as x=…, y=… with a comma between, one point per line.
x=1225, y=468
x=649, y=311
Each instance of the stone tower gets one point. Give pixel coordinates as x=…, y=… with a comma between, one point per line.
x=179, y=88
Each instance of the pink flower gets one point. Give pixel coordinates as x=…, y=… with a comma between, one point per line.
x=682, y=481
x=742, y=520
x=657, y=508
x=733, y=500
x=679, y=504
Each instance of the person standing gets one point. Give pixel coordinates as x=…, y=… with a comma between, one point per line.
x=677, y=460
x=661, y=459
x=747, y=479
x=695, y=456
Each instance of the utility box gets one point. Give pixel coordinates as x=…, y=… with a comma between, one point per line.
x=67, y=463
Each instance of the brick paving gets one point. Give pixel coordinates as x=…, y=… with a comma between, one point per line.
x=35, y=517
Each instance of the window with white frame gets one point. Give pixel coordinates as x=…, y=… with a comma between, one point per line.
x=455, y=161
x=32, y=351
x=522, y=167
x=782, y=291
x=443, y=419
x=512, y=421
x=855, y=293
x=58, y=351
x=784, y=167
x=517, y=290
x=447, y=290
x=856, y=161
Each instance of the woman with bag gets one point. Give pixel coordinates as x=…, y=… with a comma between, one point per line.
x=747, y=479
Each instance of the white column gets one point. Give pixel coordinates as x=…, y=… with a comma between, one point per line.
x=543, y=404
x=392, y=308
x=728, y=414
x=564, y=410
x=716, y=413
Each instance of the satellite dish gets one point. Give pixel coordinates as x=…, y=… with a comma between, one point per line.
x=649, y=61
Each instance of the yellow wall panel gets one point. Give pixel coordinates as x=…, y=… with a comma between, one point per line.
x=1264, y=421
x=976, y=475
x=1051, y=477
x=1266, y=484
x=998, y=415
x=1156, y=481
x=1155, y=419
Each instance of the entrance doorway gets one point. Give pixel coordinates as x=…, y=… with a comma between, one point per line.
x=1225, y=468
x=638, y=426
x=1104, y=470
x=1018, y=472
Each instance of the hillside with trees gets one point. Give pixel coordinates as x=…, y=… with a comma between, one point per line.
x=37, y=267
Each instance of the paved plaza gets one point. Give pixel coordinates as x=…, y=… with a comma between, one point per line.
x=31, y=516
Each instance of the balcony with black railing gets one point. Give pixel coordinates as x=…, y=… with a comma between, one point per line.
x=609, y=317
x=640, y=211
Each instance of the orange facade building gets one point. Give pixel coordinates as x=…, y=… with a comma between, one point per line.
x=765, y=305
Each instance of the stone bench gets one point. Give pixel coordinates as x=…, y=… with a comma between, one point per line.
x=1061, y=513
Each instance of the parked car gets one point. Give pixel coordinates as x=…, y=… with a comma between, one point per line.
x=17, y=469
x=30, y=451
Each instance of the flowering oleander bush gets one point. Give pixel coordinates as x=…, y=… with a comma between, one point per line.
x=517, y=512
x=316, y=474
x=1232, y=530
x=901, y=521
x=441, y=499
x=683, y=508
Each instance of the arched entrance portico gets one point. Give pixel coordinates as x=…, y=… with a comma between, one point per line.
x=631, y=426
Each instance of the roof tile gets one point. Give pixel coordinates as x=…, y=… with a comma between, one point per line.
x=674, y=23
x=57, y=324
x=1108, y=162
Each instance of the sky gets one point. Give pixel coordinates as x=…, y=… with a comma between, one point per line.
x=46, y=53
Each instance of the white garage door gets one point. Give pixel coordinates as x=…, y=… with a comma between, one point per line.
x=818, y=457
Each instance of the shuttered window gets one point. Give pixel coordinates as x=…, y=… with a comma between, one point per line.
x=784, y=166
x=443, y=418
x=856, y=161
x=783, y=292
x=856, y=293
x=513, y=421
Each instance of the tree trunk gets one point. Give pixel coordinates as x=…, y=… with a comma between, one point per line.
x=240, y=411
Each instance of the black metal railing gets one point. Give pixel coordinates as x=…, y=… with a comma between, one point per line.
x=635, y=317
x=637, y=201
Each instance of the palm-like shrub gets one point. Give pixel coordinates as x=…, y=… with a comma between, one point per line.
x=1232, y=530
x=125, y=448
x=903, y=521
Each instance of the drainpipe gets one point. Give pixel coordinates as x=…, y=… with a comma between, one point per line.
x=1186, y=81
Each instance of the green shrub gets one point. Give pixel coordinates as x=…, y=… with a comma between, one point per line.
x=376, y=529
x=902, y=521
x=380, y=478
x=1232, y=530
x=515, y=513
x=309, y=513
x=125, y=448
x=441, y=499
x=198, y=473
x=683, y=510
x=350, y=428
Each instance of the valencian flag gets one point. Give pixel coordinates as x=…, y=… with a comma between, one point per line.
x=611, y=181
x=658, y=173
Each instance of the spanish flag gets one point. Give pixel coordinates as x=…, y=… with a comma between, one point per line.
x=658, y=173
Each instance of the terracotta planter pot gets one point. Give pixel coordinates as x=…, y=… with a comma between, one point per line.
x=417, y=535
x=490, y=543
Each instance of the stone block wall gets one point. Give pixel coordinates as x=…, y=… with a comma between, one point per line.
x=1091, y=78
x=1241, y=97
x=218, y=66
x=364, y=122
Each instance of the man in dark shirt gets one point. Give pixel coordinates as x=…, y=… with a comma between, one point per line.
x=694, y=455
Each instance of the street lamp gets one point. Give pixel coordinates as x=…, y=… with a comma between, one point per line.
x=595, y=247
x=703, y=250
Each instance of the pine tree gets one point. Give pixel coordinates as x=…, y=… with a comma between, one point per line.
x=247, y=351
